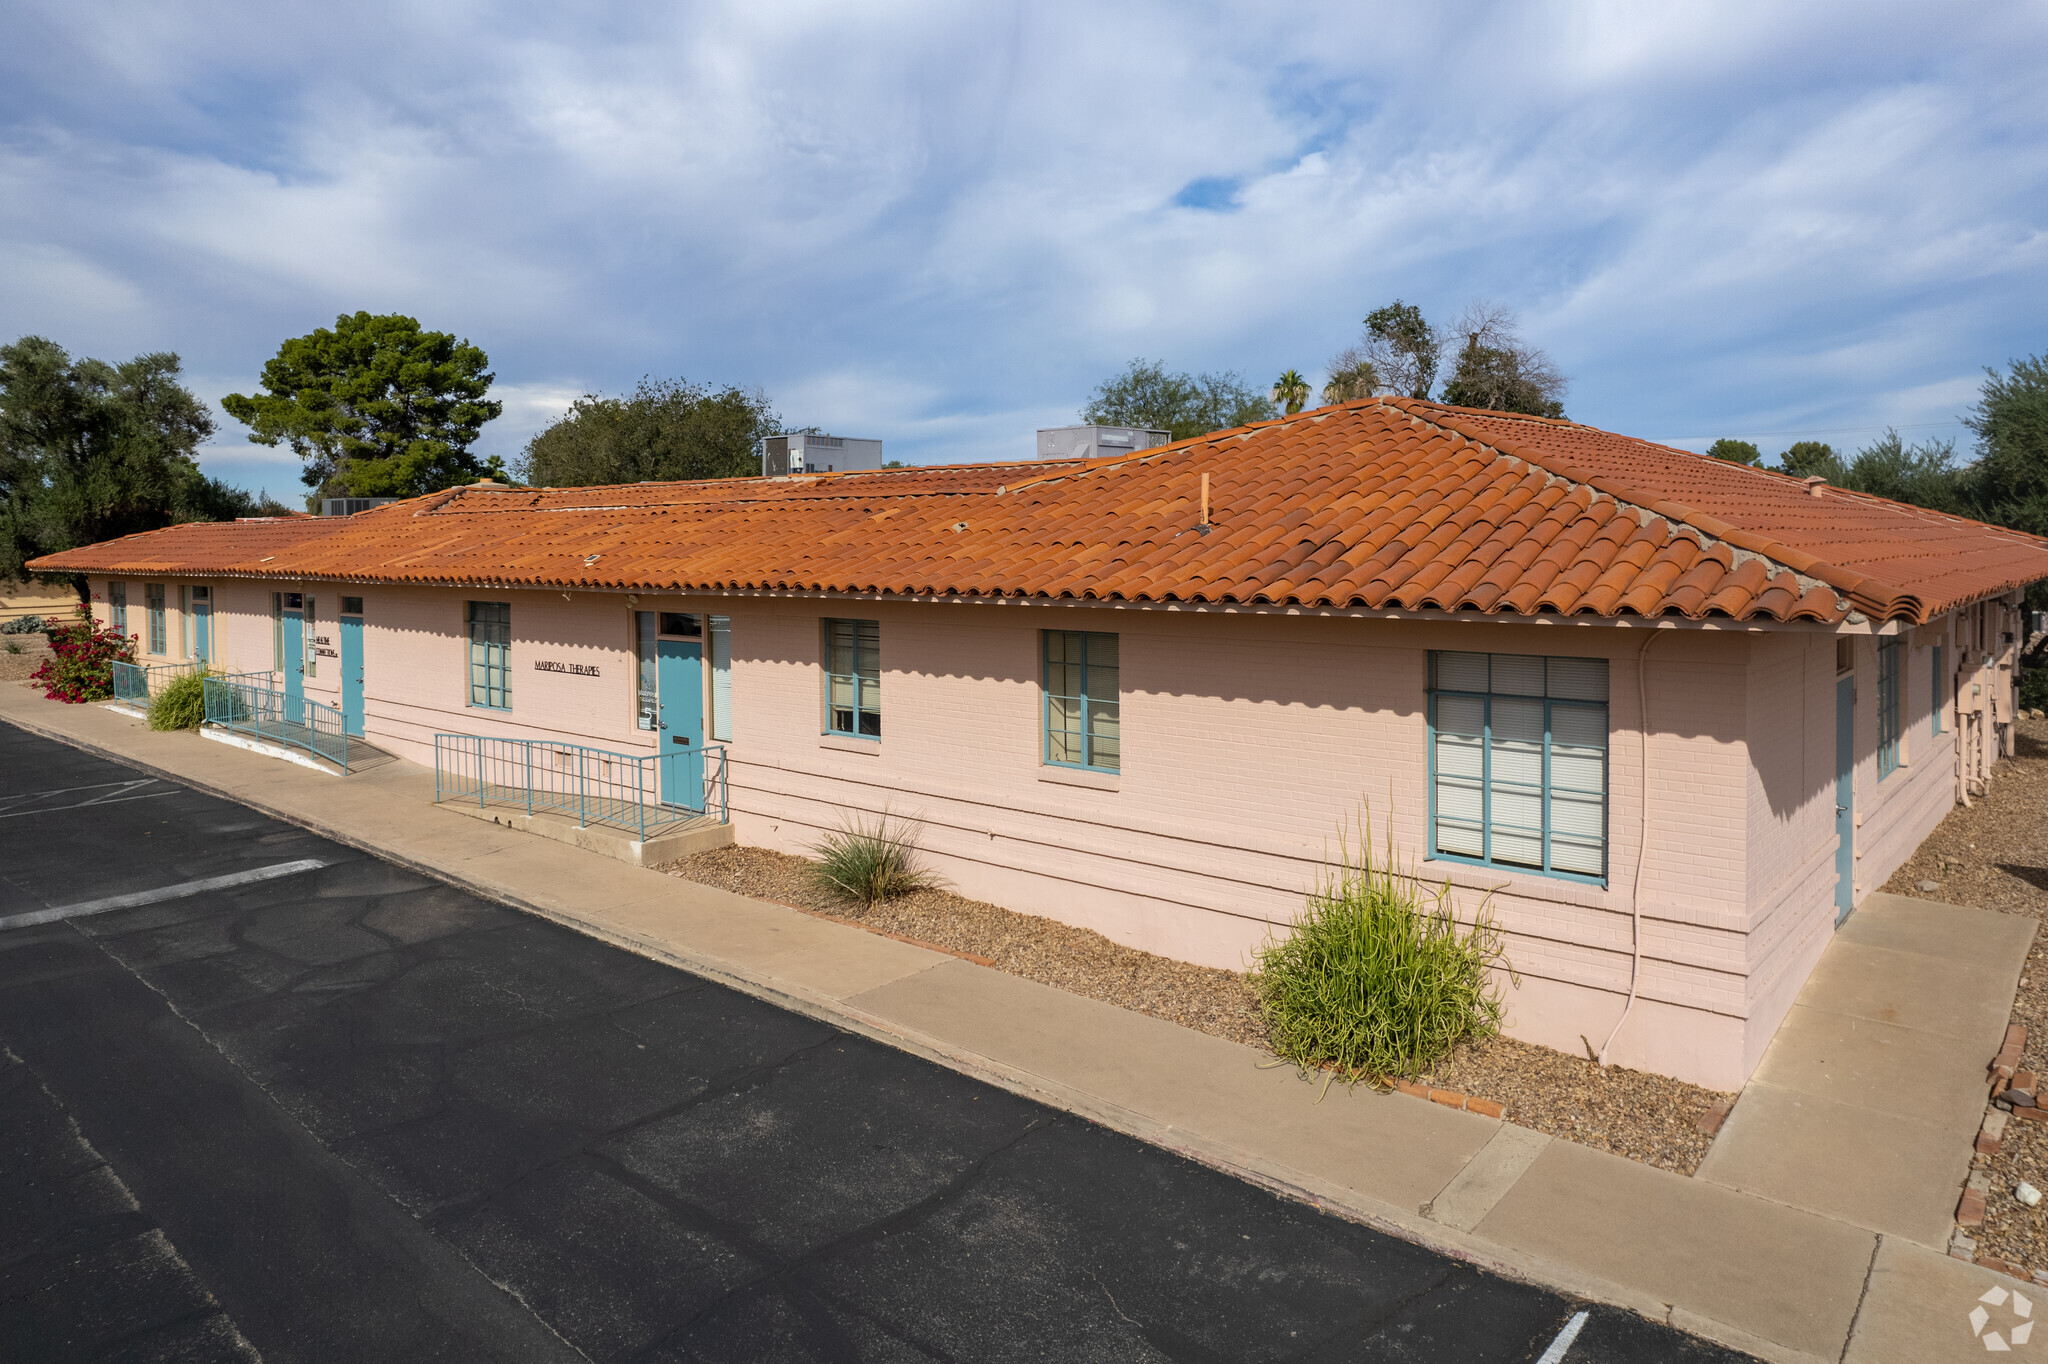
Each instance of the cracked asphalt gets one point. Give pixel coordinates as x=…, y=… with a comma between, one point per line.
x=357, y=1114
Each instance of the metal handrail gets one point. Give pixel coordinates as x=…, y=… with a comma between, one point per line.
x=243, y=707
x=139, y=683
x=596, y=785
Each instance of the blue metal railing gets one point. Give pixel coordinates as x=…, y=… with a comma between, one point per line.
x=643, y=793
x=137, y=683
x=244, y=707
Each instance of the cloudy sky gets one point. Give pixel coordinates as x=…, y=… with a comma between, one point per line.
x=943, y=224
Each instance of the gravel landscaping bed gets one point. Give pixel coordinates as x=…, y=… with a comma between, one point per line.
x=18, y=667
x=1644, y=1117
x=1994, y=855
x=1650, y=1118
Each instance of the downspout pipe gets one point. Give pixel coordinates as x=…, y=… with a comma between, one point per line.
x=1635, y=970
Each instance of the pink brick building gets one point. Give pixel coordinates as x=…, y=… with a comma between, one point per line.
x=1673, y=717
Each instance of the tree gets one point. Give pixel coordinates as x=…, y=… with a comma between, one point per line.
x=1924, y=475
x=1812, y=459
x=375, y=408
x=90, y=451
x=2009, y=482
x=667, y=429
x=1352, y=377
x=1182, y=405
x=1403, y=348
x=1290, y=391
x=1736, y=451
x=1499, y=371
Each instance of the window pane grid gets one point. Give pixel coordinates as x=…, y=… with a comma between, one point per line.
x=1887, y=707
x=1083, y=706
x=153, y=602
x=490, y=654
x=1939, y=693
x=853, y=678
x=1518, y=758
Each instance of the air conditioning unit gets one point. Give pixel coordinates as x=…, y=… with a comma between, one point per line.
x=1096, y=442
x=349, y=506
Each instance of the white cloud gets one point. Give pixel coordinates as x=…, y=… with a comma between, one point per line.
x=943, y=226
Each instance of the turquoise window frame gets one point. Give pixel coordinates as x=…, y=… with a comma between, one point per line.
x=1097, y=703
x=1939, y=693
x=853, y=679
x=159, y=628
x=1550, y=788
x=490, y=654
x=117, y=607
x=1888, y=653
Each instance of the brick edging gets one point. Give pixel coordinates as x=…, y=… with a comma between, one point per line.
x=1451, y=1098
x=2012, y=1092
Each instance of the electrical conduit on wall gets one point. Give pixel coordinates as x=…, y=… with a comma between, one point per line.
x=1635, y=970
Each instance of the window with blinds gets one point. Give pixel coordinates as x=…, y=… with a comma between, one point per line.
x=1518, y=761
x=721, y=678
x=153, y=605
x=1940, y=692
x=1888, y=651
x=853, y=678
x=1083, y=700
x=490, y=654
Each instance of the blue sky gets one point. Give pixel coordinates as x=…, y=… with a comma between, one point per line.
x=942, y=225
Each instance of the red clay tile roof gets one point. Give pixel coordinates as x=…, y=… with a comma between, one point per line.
x=1386, y=503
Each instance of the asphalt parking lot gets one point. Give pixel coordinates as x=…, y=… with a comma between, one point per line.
x=322, y=1108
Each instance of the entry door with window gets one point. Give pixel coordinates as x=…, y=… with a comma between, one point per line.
x=672, y=651
x=352, y=665
x=292, y=654
x=202, y=624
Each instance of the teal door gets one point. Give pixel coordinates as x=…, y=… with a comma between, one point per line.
x=294, y=668
x=1845, y=798
x=679, y=667
x=202, y=627
x=352, y=674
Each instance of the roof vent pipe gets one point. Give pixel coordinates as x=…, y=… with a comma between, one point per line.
x=1205, y=501
x=1814, y=484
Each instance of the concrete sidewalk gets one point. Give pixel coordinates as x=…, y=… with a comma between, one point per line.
x=1757, y=1253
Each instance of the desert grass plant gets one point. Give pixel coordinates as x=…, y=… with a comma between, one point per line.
x=1378, y=980
x=867, y=861
x=181, y=704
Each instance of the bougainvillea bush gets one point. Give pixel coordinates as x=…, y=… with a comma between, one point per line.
x=84, y=654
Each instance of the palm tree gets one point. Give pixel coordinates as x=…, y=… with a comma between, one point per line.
x=1290, y=390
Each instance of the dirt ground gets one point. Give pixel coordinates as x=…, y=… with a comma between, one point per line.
x=1994, y=854
x=1644, y=1117
x=17, y=667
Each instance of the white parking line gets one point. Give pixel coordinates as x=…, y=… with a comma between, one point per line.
x=116, y=792
x=150, y=897
x=1570, y=1333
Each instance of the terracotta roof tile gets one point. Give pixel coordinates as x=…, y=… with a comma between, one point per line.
x=1387, y=503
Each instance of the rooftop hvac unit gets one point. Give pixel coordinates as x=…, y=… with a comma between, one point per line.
x=349, y=506
x=802, y=452
x=1096, y=442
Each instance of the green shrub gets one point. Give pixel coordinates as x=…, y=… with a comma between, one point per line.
x=84, y=654
x=866, y=862
x=2034, y=686
x=181, y=704
x=1377, y=979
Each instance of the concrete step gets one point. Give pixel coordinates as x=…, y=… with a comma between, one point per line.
x=700, y=834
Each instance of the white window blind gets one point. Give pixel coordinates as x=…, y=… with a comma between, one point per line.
x=721, y=678
x=1519, y=761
